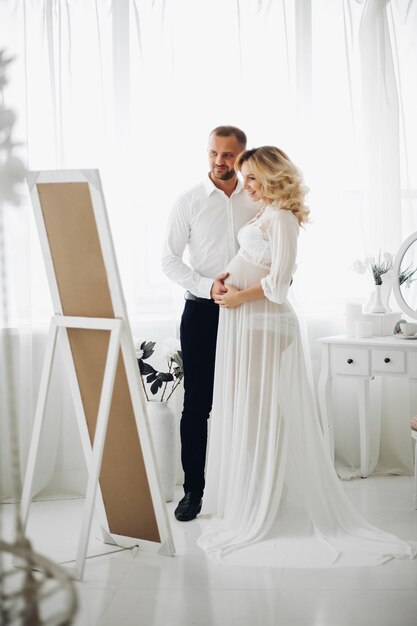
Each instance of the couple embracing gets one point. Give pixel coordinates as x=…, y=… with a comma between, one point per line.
x=269, y=486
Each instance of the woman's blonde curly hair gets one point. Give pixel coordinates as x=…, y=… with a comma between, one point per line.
x=281, y=181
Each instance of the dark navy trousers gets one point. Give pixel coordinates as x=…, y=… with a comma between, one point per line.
x=198, y=334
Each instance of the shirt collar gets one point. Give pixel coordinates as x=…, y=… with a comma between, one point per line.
x=209, y=186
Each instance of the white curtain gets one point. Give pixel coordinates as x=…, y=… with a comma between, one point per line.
x=133, y=87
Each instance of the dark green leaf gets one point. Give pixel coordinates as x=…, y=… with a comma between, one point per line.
x=165, y=377
x=155, y=386
x=145, y=368
x=148, y=349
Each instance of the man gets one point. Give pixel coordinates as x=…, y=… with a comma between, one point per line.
x=205, y=220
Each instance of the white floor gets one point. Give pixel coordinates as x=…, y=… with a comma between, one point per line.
x=131, y=588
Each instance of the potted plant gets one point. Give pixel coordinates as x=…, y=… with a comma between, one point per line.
x=154, y=380
x=158, y=386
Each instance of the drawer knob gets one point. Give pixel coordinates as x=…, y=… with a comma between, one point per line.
x=387, y=360
x=350, y=361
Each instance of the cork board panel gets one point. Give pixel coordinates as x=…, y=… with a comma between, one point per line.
x=84, y=291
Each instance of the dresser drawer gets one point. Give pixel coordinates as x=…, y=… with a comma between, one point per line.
x=388, y=361
x=347, y=360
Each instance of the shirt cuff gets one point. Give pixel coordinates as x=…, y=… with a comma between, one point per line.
x=204, y=288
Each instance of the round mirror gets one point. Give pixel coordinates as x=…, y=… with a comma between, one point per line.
x=405, y=267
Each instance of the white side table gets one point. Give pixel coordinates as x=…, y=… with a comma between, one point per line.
x=362, y=359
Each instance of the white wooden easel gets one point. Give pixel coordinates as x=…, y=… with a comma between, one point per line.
x=120, y=343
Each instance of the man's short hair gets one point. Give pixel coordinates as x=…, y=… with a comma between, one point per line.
x=227, y=131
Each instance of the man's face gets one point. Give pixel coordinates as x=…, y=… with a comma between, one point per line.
x=222, y=153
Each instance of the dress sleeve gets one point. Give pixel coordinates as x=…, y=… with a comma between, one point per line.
x=283, y=236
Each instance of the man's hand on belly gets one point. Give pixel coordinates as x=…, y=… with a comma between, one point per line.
x=218, y=288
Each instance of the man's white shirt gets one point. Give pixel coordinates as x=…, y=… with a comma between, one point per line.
x=205, y=221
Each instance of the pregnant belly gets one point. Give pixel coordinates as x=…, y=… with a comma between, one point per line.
x=244, y=274
x=261, y=314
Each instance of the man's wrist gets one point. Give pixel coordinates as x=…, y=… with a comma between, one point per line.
x=205, y=288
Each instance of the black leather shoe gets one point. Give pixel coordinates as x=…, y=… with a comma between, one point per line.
x=189, y=507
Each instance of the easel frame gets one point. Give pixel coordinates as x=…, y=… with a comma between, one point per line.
x=119, y=359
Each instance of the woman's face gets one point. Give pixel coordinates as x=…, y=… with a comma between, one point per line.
x=250, y=184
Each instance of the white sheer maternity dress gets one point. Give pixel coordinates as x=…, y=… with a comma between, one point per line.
x=273, y=493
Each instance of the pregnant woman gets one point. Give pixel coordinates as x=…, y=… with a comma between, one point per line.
x=274, y=494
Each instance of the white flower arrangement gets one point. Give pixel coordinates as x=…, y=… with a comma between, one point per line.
x=380, y=268
x=382, y=271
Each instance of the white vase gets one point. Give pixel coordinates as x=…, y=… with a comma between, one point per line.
x=162, y=422
x=386, y=295
x=377, y=305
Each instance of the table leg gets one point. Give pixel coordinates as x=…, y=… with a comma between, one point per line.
x=363, y=408
x=412, y=397
x=412, y=412
x=415, y=472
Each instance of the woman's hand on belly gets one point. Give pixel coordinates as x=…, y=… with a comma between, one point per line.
x=231, y=299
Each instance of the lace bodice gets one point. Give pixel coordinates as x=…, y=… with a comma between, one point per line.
x=269, y=240
x=254, y=240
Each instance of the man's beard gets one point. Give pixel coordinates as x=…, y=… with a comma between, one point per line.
x=226, y=176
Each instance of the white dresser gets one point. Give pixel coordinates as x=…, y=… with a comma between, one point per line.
x=362, y=359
